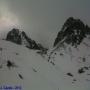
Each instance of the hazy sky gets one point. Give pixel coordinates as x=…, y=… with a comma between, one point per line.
x=42, y=19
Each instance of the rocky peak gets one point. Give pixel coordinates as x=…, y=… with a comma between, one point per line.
x=72, y=32
x=14, y=36
x=20, y=37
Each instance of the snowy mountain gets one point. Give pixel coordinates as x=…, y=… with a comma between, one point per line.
x=71, y=52
x=21, y=38
x=66, y=66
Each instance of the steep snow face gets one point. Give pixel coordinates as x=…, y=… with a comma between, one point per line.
x=71, y=52
x=73, y=62
x=24, y=67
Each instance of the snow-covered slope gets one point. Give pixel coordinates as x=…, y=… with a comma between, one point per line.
x=24, y=67
x=71, y=53
x=64, y=67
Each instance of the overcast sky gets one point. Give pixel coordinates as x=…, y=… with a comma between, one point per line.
x=42, y=19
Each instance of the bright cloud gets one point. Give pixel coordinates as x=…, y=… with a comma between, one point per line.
x=7, y=19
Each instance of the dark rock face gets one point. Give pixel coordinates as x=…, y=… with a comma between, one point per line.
x=21, y=38
x=72, y=32
x=14, y=36
x=70, y=74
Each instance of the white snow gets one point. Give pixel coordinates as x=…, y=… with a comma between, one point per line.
x=38, y=73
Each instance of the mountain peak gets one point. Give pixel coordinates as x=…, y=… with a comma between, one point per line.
x=72, y=32
x=14, y=36
x=20, y=37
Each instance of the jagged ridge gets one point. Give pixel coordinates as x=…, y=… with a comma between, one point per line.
x=21, y=38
